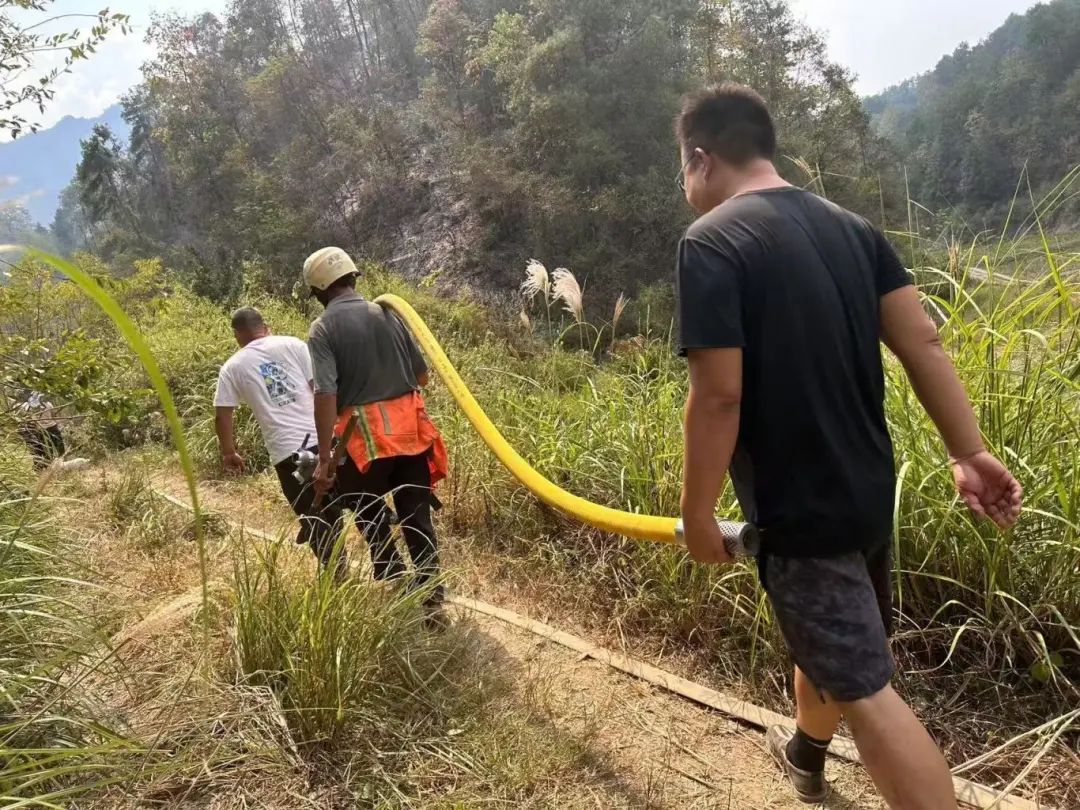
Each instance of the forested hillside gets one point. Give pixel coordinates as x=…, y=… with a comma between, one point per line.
x=968, y=129
x=460, y=137
x=35, y=168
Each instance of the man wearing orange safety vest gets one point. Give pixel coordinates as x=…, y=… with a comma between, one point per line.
x=366, y=363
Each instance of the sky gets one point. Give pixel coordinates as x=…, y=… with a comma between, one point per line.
x=99, y=82
x=882, y=42
x=887, y=42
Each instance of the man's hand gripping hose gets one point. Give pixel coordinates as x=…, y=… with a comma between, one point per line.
x=338, y=458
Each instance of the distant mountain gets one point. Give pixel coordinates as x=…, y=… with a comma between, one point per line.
x=35, y=168
x=968, y=129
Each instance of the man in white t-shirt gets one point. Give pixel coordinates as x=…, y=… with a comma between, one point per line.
x=272, y=376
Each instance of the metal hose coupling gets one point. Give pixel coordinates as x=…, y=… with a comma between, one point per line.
x=305, y=462
x=740, y=539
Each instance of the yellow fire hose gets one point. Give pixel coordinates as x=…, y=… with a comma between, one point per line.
x=740, y=537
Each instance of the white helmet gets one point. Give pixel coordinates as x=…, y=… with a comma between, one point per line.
x=324, y=267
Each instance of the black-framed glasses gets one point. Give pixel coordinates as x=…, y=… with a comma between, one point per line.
x=680, y=178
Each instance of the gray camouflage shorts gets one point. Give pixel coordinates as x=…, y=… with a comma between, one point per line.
x=836, y=617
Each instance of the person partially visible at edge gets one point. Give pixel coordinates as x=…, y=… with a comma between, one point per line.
x=40, y=430
x=783, y=300
x=272, y=375
x=366, y=363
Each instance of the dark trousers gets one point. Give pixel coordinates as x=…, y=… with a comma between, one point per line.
x=318, y=528
x=44, y=443
x=408, y=480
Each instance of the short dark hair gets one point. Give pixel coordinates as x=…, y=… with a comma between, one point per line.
x=247, y=320
x=730, y=121
x=344, y=282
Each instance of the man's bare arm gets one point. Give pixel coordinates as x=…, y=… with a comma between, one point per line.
x=910, y=334
x=326, y=413
x=223, y=426
x=711, y=431
x=986, y=486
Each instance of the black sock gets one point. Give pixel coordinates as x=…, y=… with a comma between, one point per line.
x=806, y=753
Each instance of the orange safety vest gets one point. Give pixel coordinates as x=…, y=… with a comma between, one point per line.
x=395, y=427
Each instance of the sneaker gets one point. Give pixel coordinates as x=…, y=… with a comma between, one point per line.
x=810, y=788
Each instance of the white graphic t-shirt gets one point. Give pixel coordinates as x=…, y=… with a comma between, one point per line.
x=270, y=375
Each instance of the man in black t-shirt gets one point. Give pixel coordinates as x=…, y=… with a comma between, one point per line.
x=784, y=299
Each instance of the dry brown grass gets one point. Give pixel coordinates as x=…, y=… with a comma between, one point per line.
x=514, y=581
x=585, y=701
x=213, y=738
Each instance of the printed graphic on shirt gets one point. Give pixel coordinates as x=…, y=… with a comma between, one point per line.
x=277, y=383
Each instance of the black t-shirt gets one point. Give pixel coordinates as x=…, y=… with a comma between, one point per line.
x=796, y=282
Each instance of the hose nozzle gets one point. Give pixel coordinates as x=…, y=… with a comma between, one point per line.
x=740, y=539
x=306, y=461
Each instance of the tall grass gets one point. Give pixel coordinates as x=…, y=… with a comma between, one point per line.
x=54, y=738
x=987, y=619
x=56, y=747
x=399, y=716
x=1015, y=345
x=338, y=656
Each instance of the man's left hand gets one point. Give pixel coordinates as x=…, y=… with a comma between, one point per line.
x=705, y=542
x=233, y=463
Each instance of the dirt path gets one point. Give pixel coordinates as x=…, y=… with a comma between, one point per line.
x=670, y=752
x=675, y=753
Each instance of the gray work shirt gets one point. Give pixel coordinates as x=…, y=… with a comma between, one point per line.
x=363, y=353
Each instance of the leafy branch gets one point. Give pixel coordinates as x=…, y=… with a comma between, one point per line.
x=20, y=44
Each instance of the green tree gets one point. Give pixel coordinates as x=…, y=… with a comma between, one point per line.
x=98, y=174
x=71, y=228
x=986, y=113
x=461, y=137
x=16, y=224
x=21, y=45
